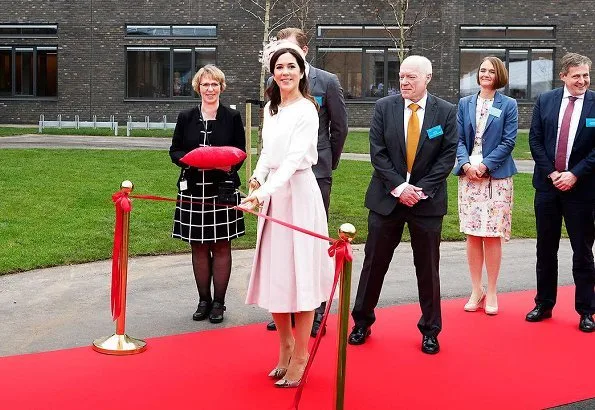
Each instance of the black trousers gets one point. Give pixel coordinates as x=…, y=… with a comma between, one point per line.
x=550, y=209
x=325, y=189
x=384, y=235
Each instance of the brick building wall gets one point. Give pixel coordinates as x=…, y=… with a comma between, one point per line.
x=92, y=45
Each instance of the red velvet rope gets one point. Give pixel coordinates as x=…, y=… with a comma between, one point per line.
x=340, y=249
x=123, y=204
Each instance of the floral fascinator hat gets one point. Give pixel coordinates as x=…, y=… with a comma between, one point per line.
x=272, y=47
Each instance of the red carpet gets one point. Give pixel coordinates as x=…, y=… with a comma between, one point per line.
x=486, y=362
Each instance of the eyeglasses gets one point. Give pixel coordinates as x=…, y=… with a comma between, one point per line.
x=210, y=85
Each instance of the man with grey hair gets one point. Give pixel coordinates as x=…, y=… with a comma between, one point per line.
x=413, y=141
x=562, y=141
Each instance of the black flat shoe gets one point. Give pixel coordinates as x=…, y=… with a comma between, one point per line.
x=358, y=335
x=430, y=345
x=316, y=325
x=539, y=313
x=216, y=315
x=587, y=324
x=271, y=326
x=202, y=311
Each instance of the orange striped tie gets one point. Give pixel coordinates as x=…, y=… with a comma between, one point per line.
x=413, y=132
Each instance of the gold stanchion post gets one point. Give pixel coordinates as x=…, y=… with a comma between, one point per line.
x=347, y=233
x=120, y=343
x=248, y=141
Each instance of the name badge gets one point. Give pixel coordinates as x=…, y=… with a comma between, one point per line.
x=435, y=131
x=590, y=122
x=318, y=99
x=496, y=112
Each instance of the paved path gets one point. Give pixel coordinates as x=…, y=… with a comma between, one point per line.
x=88, y=142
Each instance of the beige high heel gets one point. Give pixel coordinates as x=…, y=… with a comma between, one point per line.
x=491, y=309
x=278, y=372
x=474, y=305
x=285, y=383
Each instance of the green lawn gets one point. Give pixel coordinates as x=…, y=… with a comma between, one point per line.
x=56, y=205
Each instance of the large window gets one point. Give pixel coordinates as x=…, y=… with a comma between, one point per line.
x=28, y=72
x=362, y=72
x=530, y=68
x=164, y=72
x=530, y=71
x=365, y=72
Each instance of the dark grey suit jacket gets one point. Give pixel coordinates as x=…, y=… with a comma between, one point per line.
x=433, y=162
x=332, y=130
x=543, y=137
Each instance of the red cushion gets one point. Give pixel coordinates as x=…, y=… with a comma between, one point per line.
x=214, y=157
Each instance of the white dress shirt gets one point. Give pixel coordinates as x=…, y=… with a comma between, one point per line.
x=406, y=115
x=574, y=120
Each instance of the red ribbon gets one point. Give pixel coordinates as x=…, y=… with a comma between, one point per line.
x=123, y=204
x=339, y=249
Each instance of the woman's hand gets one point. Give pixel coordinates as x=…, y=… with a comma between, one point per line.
x=472, y=172
x=253, y=184
x=250, y=202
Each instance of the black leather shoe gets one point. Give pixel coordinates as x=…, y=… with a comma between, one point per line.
x=216, y=315
x=430, y=345
x=539, y=313
x=358, y=335
x=316, y=325
x=202, y=311
x=587, y=324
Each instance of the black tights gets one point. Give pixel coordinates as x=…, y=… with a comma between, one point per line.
x=212, y=261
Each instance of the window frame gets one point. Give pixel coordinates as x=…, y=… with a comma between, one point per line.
x=170, y=29
x=29, y=26
x=508, y=28
x=34, y=49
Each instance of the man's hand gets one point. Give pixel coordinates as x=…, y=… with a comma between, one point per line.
x=411, y=195
x=564, y=180
x=252, y=185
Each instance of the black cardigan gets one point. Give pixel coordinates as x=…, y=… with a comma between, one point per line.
x=227, y=130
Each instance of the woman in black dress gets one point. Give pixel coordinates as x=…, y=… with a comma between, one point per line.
x=209, y=229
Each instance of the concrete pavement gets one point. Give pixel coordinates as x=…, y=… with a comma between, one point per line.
x=95, y=142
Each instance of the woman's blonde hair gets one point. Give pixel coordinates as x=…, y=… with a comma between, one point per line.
x=212, y=71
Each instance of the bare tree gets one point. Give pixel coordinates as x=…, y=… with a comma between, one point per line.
x=402, y=22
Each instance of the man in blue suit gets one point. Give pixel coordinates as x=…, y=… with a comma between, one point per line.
x=562, y=141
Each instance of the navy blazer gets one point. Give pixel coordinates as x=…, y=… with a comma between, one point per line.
x=542, y=141
x=498, y=139
x=433, y=160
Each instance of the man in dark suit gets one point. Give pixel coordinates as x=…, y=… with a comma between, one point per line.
x=332, y=131
x=562, y=141
x=413, y=141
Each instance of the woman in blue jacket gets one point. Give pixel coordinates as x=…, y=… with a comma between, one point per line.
x=487, y=125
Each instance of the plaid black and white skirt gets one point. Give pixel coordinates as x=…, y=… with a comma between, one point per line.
x=206, y=223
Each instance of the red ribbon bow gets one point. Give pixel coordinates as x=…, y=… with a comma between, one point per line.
x=123, y=204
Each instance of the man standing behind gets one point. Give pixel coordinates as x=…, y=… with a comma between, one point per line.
x=332, y=131
x=413, y=141
x=562, y=141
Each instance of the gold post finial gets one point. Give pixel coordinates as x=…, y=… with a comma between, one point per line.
x=347, y=232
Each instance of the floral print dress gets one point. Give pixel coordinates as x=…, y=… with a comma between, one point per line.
x=485, y=206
